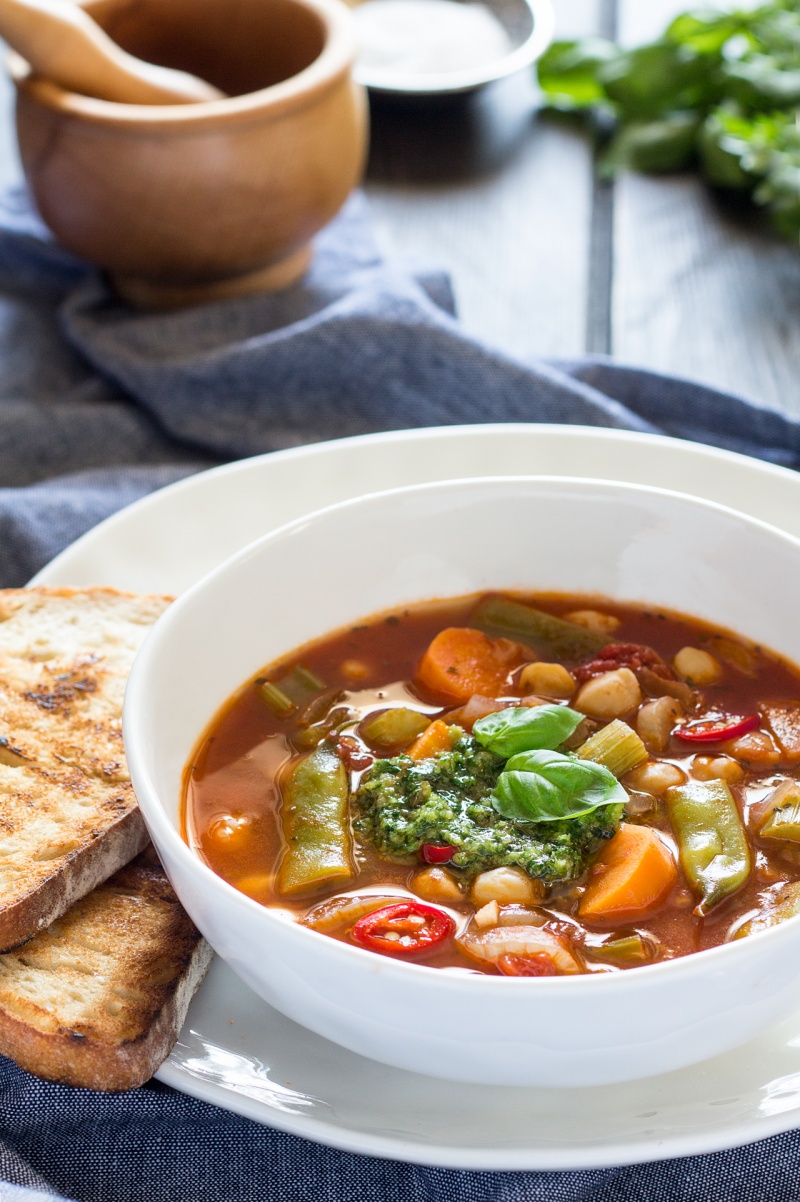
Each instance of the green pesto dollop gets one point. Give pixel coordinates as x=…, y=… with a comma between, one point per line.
x=401, y=804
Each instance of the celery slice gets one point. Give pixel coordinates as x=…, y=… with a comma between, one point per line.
x=617, y=747
x=778, y=815
x=394, y=727
x=783, y=823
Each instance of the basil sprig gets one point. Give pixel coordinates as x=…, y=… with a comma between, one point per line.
x=526, y=728
x=540, y=784
x=547, y=786
x=719, y=88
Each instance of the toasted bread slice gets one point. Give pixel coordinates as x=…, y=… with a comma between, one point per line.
x=68, y=816
x=99, y=998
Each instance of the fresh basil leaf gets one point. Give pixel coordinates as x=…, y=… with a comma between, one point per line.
x=526, y=728
x=546, y=786
x=707, y=29
x=666, y=144
x=568, y=72
x=657, y=78
x=760, y=82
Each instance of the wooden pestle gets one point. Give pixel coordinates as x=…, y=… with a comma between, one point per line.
x=63, y=44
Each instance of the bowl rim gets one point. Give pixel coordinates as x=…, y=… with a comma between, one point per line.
x=331, y=65
x=155, y=815
x=468, y=79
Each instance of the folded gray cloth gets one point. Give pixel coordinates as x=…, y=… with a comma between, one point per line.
x=125, y=402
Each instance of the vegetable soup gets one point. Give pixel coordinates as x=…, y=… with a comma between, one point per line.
x=527, y=785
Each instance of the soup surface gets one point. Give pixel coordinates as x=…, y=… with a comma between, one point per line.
x=525, y=785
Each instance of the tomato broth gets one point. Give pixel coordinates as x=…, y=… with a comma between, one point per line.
x=235, y=800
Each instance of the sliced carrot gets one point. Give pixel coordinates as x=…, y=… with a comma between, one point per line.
x=631, y=877
x=461, y=661
x=434, y=739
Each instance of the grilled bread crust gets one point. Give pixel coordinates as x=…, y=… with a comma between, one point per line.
x=68, y=816
x=99, y=998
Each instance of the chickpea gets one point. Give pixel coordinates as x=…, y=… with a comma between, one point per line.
x=506, y=886
x=231, y=831
x=612, y=695
x=355, y=669
x=436, y=884
x=717, y=767
x=756, y=749
x=655, y=777
x=696, y=666
x=547, y=680
x=655, y=722
x=593, y=619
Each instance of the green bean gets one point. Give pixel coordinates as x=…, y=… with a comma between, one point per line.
x=275, y=699
x=713, y=847
x=294, y=690
x=311, y=736
x=301, y=684
x=546, y=634
x=624, y=952
x=314, y=821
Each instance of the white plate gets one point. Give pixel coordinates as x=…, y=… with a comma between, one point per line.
x=237, y=1052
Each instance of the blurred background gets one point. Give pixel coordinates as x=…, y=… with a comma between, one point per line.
x=546, y=260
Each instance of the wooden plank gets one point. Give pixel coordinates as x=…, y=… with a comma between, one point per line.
x=701, y=289
x=500, y=198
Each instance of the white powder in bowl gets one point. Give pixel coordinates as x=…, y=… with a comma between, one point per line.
x=427, y=37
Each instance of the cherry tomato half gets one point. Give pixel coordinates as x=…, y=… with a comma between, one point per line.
x=718, y=729
x=404, y=929
x=437, y=853
x=526, y=966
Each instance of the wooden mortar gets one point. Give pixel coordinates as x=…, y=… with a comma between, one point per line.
x=182, y=204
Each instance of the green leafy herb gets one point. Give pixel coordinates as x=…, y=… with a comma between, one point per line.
x=526, y=728
x=718, y=87
x=654, y=79
x=568, y=72
x=664, y=144
x=546, y=786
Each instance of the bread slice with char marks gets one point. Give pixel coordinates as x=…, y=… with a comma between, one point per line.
x=68, y=815
x=99, y=998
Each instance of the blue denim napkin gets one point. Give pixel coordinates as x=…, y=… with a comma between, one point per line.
x=100, y=405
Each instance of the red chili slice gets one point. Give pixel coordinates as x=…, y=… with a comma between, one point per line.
x=404, y=929
x=526, y=966
x=437, y=853
x=623, y=655
x=718, y=729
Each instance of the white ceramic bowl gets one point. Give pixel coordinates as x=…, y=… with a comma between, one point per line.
x=358, y=558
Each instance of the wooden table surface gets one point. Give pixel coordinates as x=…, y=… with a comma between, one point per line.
x=547, y=261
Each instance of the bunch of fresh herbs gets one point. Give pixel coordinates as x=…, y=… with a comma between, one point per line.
x=720, y=88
